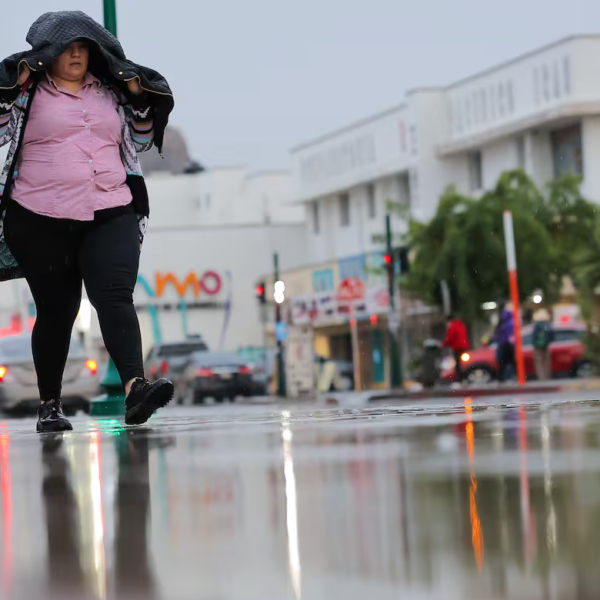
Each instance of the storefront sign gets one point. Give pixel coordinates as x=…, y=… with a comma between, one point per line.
x=209, y=283
x=328, y=308
x=351, y=290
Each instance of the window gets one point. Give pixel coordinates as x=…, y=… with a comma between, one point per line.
x=567, y=151
x=521, y=152
x=371, y=204
x=566, y=75
x=510, y=97
x=475, y=173
x=344, y=209
x=316, y=217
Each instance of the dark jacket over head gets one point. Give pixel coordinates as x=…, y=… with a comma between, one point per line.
x=51, y=35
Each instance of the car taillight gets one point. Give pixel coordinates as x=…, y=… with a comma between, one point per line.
x=92, y=365
x=3, y=372
x=245, y=370
x=164, y=367
x=202, y=372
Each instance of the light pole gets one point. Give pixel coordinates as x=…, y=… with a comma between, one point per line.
x=280, y=363
x=110, y=16
x=393, y=319
x=113, y=401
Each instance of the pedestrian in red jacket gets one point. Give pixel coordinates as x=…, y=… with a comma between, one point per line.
x=458, y=341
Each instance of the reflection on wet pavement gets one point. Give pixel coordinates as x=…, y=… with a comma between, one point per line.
x=469, y=500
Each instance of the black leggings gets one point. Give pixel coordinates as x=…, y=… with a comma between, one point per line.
x=56, y=256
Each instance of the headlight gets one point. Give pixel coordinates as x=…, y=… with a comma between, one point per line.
x=465, y=357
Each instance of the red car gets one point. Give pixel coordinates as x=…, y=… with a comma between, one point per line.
x=567, y=354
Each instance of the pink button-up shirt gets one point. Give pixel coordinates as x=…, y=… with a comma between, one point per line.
x=69, y=164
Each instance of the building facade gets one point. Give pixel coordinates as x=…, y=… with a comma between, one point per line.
x=539, y=112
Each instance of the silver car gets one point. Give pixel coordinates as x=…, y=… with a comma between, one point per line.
x=18, y=380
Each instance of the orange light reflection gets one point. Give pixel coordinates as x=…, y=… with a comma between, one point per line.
x=476, y=530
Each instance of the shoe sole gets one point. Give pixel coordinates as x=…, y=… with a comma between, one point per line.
x=54, y=428
x=159, y=398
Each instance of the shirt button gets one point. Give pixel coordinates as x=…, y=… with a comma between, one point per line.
x=87, y=126
x=84, y=110
x=90, y=160
x=92, y=179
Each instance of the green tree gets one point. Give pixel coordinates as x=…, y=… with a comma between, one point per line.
x=464, y=242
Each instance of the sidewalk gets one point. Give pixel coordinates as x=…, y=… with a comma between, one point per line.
x=493, y=389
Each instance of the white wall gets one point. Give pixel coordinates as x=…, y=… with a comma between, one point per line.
x=239, y=254
x=497, y=158
x=225, y=195
x=591, y=157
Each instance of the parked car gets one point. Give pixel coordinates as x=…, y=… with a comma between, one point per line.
x=217, y=375
x=567, y=354
x=169, y=359
x=18, y=380
x=262, y=363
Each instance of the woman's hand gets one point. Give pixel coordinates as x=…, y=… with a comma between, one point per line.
x=134, y=87
x=25, y=73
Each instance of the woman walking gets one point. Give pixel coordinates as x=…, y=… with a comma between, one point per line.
x=74, y=203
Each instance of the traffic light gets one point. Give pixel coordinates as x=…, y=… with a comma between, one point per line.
x=279, y=292
x=260, y=293
x=403, y=260
x=399, y=257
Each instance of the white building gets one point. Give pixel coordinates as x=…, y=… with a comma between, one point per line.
x=539, y=112
x=210, y=236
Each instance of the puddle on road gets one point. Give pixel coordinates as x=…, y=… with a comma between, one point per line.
x=424, y=502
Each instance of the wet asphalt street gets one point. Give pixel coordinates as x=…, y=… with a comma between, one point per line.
x=473, y=499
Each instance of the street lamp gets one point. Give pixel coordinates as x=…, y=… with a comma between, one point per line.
x=113, y=401
x=110, y=16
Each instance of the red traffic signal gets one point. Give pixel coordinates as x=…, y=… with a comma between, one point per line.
x=387, y=259
x=259, y=290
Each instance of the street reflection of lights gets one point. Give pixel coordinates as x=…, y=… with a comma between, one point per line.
x=285, y=414
x=551, y=520
x=291, y=506
x=97, y=513
x=476, y=528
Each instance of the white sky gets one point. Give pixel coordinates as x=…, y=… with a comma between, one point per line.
x=253, y=78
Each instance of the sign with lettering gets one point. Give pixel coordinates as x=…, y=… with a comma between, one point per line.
x=351, y=289
x=209, y=283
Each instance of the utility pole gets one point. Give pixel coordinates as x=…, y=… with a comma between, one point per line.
x=110, y=16
x=280, y=365
x=111, y=403
x=393, y=319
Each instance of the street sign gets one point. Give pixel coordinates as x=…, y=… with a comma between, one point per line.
x=351, y=289
x=281, y=331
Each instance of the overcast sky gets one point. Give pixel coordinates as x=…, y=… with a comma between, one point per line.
x=253, y=78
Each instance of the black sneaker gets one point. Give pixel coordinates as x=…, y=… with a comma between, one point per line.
x=145, y=397
x=51, y=417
